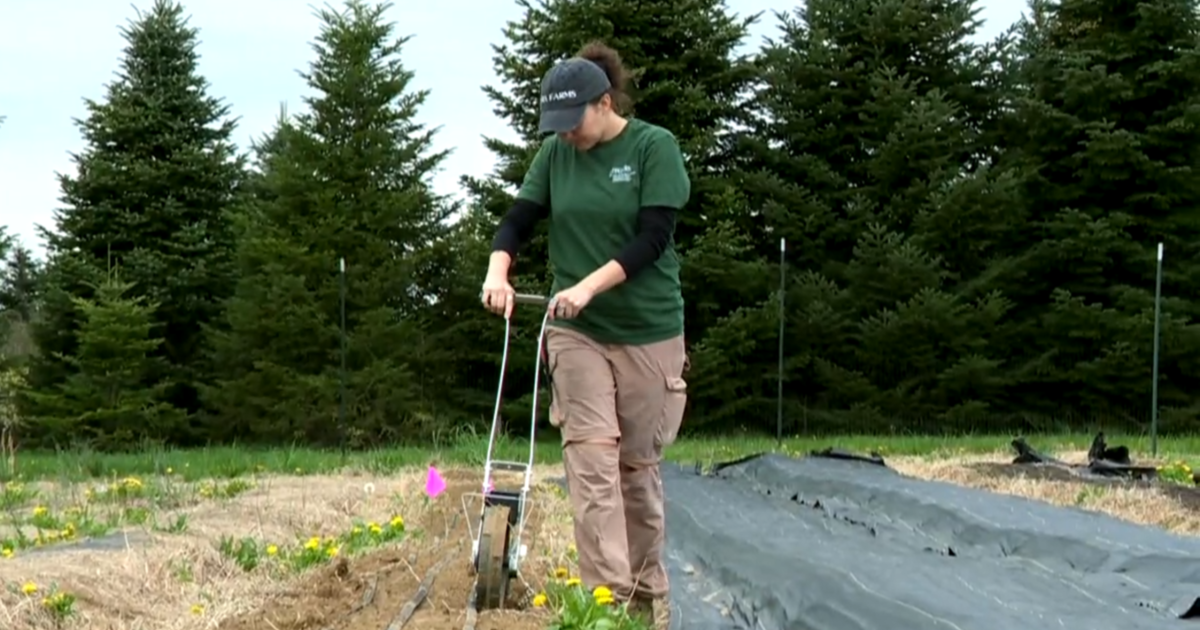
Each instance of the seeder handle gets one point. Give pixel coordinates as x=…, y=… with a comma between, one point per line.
x=531, y=299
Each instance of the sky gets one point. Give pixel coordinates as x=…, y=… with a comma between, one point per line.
x=53, y=54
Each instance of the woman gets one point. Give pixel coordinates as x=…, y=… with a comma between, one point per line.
x=611, y=187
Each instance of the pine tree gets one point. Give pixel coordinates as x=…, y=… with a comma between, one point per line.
x=111, y=400
x=152, y=192
x=874, y=153
x=1109, y=144
x=348, y=178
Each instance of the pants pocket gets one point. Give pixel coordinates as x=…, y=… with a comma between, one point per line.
x=674, y=406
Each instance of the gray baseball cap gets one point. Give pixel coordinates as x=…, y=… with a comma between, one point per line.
x=566, y=91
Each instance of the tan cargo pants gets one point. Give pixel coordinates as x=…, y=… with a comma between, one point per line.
x=617, y=408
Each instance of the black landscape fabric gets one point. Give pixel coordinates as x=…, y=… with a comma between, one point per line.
x=775, y=543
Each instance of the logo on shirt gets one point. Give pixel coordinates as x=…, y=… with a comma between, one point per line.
x=622, y=174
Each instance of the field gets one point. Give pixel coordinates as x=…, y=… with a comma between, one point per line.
x=298, y=539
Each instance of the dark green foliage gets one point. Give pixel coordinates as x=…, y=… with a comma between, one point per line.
x=152, y=192
x=348, y=178
x=19, y=283
x=971, y=229
x=1108, y=144
x=872, y=154
x=111, y=400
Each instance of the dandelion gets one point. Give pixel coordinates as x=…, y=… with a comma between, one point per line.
x=375, y=528
x=272, y=550
x=40, y=510
x=29, y=588
x=6, y=552
x=332, y=551
x=368, y=488
x=574, y=582
x=313, y=543
x=539, y=600
x=602, y=595
x=397, y=522
x=561, y=573
x=197, y=609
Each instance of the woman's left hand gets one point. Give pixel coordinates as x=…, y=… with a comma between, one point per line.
x=569, y=302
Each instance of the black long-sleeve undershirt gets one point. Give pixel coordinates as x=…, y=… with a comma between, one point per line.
x=654, y=228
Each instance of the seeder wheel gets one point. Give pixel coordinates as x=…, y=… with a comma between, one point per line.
x=491, y=576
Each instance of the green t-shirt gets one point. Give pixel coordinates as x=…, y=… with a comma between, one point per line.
x=594, y=197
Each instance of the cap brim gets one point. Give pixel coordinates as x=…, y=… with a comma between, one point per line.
x=561, y=120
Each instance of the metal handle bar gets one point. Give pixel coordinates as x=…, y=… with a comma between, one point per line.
x=529, y=298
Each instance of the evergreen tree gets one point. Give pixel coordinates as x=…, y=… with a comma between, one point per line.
x=152, y=191
x=1109, y=144
x=873, y=152
x=687, y=77
x=8, y=316
x=110, y=401
x=348, y=178
x=19, y=283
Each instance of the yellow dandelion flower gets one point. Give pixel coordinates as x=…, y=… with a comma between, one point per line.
x=29, y=588
x=561, y=573
x=602, y=592
x=272, y=550
x=375, y=528
x=6, y=552
x=313, y=543
x=574, y=582
x=41, y=510
x=397, y=522
x=539, y=600
x=197, y=609
x=332, y=551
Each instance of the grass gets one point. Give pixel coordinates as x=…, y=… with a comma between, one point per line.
x=235, y=462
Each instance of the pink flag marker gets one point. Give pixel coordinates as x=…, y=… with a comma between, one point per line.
x=434, y=484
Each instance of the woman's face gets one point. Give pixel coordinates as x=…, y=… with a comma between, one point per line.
x=591, y=128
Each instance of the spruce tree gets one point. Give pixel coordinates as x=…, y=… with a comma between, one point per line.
x=111, y=400
x=1110, y=148
x=19, y=283
x=873, y=152
x=349, y=178
x=153, y=190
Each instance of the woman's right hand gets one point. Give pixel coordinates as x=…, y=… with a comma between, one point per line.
x=498, y=294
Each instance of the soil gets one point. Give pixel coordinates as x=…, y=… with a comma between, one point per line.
x=369, y=592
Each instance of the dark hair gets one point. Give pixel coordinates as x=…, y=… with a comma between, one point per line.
x=610, y=61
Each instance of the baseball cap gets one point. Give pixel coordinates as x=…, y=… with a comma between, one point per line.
x=566, y=91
